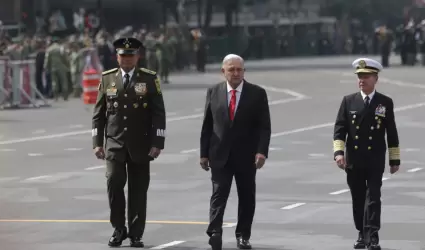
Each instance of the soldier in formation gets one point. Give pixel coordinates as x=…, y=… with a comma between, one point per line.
x=56, y=63
x=385, y=41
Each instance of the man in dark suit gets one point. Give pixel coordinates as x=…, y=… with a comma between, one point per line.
x=130, y=114
x=235, y=140
x=363, y=120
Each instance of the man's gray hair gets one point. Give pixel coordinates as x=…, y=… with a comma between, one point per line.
x=230, y=57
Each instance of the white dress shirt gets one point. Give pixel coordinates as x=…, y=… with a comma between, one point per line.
x=238, y=94
x=129, y=73
x=370, y=95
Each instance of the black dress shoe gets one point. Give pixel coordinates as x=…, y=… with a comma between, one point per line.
x=136, y=242
x=117, y=237
x=374, y=244
x=216, y=242
x=360, y=243
x=243, y=244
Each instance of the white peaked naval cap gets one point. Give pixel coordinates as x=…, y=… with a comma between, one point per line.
x=366, y=65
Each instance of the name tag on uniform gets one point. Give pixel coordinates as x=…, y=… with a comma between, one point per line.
x=111, y=92
x=353, y=112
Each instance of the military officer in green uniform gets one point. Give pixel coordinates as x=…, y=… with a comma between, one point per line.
x=129, y=119
x=363, y=120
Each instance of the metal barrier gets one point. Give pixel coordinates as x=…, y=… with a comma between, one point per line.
x=17, y=85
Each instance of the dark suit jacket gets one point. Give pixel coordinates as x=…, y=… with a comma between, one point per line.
x=363, y=131
x=249, y=132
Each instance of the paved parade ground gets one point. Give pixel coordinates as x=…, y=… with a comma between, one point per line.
x=53, y=190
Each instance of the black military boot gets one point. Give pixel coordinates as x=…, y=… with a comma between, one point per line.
x=118, y=237
x=360, y=243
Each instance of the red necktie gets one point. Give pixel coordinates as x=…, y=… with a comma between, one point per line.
x=232, y=105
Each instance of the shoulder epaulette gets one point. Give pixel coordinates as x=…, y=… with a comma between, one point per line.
x=148, y=71
x=109, y=71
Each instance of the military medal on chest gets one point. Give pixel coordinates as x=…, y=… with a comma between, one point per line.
x=380, y=110
x=140, y=88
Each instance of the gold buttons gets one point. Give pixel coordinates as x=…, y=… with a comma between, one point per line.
x=125, y=117
x=352, y=121
x=357, y=127
x=376, y=118
x=357, y=137
x=125, y=106
x=125, y=129
x=370, y=137
x=378, y=126
x=372, y=128
x=355, y=147
x=369, y=148
x=125, y=95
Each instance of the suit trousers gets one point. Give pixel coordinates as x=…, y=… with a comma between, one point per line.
x=138, y=175
x=246, y=187
x=365, y=182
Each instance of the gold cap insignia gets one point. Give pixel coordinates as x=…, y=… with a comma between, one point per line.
x=127, y=43
x=362, y=64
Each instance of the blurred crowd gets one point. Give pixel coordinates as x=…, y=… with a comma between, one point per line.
x=63, y=53
x=61, y=56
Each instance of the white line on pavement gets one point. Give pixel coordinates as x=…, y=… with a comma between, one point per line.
x=275, y=149
x=7, y=150
x=35, y=154
x=282, y=101
x=95, y=167
x=38, y=177
x=340, y=192
x=330, y=124
x=230, y=225
x=189, y=151
x=286, y=91
x=73, y=149
x=381, y=79
x=173, y=243
x=401, y=83
x=414, y=170
x=81, y=132
x=411, y=150
x=299, y=130
x=293, y=206
x=317, y=155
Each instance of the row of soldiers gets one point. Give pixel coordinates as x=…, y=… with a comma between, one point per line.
x=165, y=50
x=61, y=61
x=409, y=41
